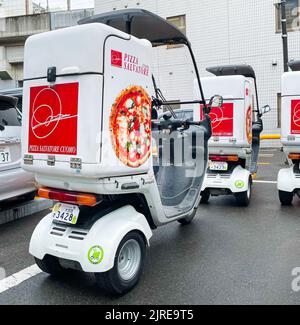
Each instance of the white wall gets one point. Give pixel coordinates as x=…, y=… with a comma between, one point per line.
x=221, y=32
x=11, y=8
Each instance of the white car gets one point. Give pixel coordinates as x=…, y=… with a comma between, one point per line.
x=14, y=181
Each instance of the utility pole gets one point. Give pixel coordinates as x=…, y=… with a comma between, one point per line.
x=27, y=7
x=284, y=35
x=68, y=5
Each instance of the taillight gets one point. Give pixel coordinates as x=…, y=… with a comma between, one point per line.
x=294, y=156
x=232, y=158
x=68, y=197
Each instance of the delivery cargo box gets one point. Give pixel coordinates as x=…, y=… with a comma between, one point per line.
x=87, y=103
x=290, y=110
x=231, y=124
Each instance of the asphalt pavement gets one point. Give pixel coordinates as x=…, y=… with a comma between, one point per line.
x=228, y=255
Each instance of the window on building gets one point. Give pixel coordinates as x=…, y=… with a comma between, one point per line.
x=180, y=23
x=279, y=110
x=292, y=15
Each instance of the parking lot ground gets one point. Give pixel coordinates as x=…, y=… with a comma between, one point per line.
x=228, y=255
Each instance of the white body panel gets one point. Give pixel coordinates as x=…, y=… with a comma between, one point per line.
x=228, y=181
x=107, y=233
x=290, y=112
x=93, y=139
x=287, y=180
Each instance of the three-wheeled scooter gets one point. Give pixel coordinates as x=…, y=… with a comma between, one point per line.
x=89, y=139
x=236, y=128
x=288, y=182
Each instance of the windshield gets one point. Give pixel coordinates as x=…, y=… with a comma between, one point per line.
x=181, y=115
x=8, y=115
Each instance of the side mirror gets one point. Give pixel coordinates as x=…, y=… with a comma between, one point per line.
x=266, y=109
x=215, y=101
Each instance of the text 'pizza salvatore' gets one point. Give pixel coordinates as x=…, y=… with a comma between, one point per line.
x=130, y=126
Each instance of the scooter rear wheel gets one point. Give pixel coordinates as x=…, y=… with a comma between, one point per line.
x=205, y=196
x=243, y=199
x=50, y=265
x=128, y=266
x=286, y=198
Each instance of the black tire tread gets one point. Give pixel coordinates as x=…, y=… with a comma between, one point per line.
x=108, y=281
x=286, y=198
x=50, y=265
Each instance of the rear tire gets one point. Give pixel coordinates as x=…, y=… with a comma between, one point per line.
x=205, y=196
x=50, y=265
x=243, y=199
x=286, y=198
x=128, y=266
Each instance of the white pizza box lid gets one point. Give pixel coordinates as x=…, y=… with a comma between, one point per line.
x=230, y=87
x=290, y=84
x=77, y=49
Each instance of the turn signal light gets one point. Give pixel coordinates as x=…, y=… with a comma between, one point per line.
x=294, y=156
x=68, y=197
x=224, y=158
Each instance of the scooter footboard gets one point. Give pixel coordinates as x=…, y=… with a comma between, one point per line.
x=92, y=250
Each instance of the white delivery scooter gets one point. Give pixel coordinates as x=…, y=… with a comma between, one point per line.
x=288, y=182
x=235, y=142
x=87, y=129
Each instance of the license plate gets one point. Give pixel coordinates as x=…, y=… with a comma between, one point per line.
x=218, y=166
x=4, y=155
x=66, y=213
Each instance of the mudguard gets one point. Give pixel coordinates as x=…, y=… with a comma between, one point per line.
x=93, y=249
x=287, y=180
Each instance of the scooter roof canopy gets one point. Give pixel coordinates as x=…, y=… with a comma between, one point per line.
x=295, y=65
x=9, y=100
x=231, y=70
x=141, y=24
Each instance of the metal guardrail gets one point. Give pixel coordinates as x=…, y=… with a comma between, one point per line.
x=23, y=210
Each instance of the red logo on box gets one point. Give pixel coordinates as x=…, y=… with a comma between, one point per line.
x=295, y=117
x=116, y=59
x=221, y=120
x=53, y=115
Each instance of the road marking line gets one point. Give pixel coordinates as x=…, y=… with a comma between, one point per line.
x=265, y=182
x=264, y=164
x=19, y=277
x=266, y=155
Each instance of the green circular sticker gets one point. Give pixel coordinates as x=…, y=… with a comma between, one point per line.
x=239, y=184
x=96, y=254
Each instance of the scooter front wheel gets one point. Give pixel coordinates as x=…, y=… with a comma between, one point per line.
x=286, y=198
x=128, y=266
x=188, y=220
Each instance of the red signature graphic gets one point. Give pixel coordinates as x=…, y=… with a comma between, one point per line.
x=295, y=117
x=53, y=119
x=221, y=120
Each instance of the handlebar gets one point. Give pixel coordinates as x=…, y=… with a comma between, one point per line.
x=173, y=125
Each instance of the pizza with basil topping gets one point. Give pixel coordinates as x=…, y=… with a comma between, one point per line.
x=130, y=126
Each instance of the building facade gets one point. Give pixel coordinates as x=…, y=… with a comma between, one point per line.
x=223, y=32
x=20, y=19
